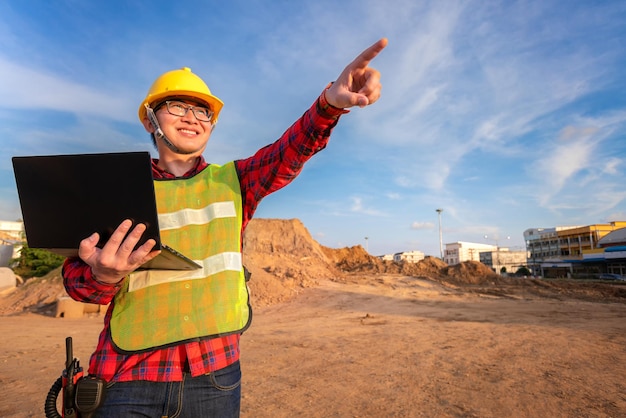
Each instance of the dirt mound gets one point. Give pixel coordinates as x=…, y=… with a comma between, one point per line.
x=352, y=259
x=35, y=295
x=470, y=272
x=428, y=267
x=283, y=259
x=356, y=259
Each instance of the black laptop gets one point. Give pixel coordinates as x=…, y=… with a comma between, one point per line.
x=66, y=198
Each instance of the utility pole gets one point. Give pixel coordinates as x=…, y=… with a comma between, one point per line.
x=440, y=235
x=498, y=266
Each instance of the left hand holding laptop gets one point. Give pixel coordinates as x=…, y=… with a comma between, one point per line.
x=117, y=258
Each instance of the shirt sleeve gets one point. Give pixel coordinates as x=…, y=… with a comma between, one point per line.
x=276, y=165
x=81, y=285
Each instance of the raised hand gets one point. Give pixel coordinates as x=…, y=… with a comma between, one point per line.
x=358, y=84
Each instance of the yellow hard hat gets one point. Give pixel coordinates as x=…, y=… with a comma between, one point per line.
x=179, y=83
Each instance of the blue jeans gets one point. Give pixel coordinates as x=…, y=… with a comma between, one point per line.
x=216, y=394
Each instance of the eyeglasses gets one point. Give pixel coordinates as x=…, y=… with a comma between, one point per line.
x=180, y=109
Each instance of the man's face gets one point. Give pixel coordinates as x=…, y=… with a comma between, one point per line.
x=188, y=133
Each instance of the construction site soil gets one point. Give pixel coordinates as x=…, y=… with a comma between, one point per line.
x=340, y=333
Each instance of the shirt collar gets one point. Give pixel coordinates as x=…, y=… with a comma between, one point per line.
x=159, y=173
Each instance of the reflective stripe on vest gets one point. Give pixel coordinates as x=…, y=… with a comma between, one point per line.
x=201, y=218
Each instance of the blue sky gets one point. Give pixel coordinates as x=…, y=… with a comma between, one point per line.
x=506, y=114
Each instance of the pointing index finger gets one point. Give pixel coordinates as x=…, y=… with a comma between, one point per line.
x=370, y=53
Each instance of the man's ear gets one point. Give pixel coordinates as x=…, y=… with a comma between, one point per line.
x=147, y=125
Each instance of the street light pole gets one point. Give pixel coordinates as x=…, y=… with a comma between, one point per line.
x=366, y=245
x=440, y=235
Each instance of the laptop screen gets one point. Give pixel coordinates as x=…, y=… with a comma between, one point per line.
x=66, y=198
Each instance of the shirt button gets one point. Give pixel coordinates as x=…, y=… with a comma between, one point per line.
x=186, y=318
x=187, y=286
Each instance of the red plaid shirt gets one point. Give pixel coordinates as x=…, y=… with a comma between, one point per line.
x=270, y=169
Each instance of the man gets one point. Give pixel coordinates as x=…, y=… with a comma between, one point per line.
x=170, y=343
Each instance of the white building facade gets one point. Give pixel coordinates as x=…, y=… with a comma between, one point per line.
x=457, y=252
x=11, y=238
x=409, y=256
x=502, y=260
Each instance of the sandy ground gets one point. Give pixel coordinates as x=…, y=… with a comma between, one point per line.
x=383, y=346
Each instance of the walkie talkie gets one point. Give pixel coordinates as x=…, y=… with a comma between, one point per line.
x=82, y=395
x=72, y=373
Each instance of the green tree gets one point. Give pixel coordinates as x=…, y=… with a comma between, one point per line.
x=35, y=262
x=523, y=271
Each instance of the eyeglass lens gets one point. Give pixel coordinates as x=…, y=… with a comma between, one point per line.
x=180, y=109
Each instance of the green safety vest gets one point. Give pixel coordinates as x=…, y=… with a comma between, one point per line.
x=201, y=218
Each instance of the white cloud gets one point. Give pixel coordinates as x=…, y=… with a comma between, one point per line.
x=612, y=165
x=422, y=225
x=358, y=207
x=26, y=88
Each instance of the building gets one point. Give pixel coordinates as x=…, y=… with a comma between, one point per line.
x=11, y=239
x=409, y=256
x=614, y=251
x=503, y=260
x=457, y=252
x=12, y=230
x=567, y=251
